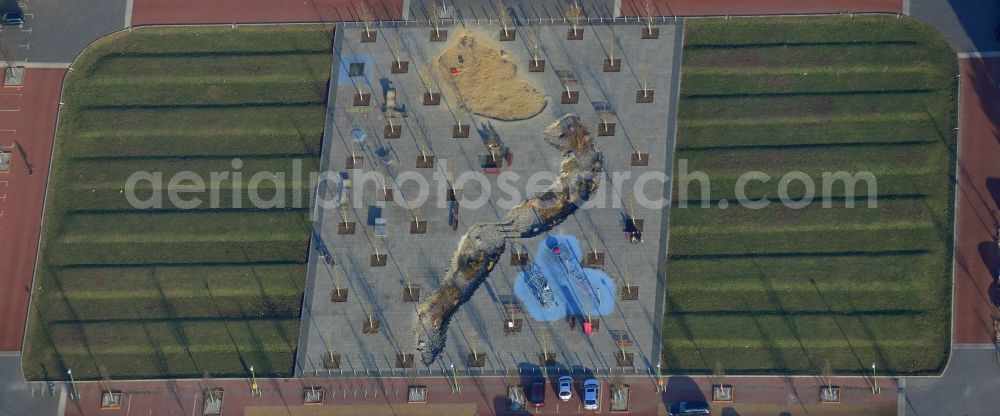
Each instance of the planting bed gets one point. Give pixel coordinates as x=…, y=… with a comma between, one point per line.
x=778, y=290
x=169, y=292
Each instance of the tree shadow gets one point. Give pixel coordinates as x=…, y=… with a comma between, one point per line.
x=993, y=185
x=679, y=389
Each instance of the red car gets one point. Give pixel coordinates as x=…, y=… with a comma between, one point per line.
x=537, y=397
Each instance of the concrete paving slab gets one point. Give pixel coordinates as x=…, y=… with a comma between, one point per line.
x=422, y=258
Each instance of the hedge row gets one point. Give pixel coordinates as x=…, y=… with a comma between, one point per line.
x=157, y=252
x=828, y=239
x=799, y=30
x=806, y=56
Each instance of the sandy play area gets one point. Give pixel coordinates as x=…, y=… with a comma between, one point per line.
x=487, y=79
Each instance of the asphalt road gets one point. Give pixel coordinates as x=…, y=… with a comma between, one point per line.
x=968, y=387
x=969, y=25
x=18, y=398
x=56, y=31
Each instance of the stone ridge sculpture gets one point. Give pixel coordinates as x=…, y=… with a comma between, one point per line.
x=481, y=247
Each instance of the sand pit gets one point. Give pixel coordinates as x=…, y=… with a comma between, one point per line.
x=487, y=79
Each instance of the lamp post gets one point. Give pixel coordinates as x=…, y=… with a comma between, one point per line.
x=72, y=383
x=454, y=378
x=875, y=389
x=253, y=383
x=659, y=379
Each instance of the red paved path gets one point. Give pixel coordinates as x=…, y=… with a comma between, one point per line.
x=149, y=12
x=21, y=194
x=793, y=395
x=760, y=7
x=978, y=196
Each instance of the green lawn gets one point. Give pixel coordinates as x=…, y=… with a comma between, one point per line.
x=167, y=292
x=782, y=290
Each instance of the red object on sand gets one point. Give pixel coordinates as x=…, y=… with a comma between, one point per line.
x=454, y=71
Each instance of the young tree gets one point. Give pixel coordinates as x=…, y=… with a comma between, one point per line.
x=648, y=10
x=828, y=375
x=611, y=44
x=435, y=18
x=9, y=56
x=366, y=16
x=506, y=20
x=639, y=141
x=720, y=375
x=575, y=14
x=396, y=48
x=407, y=277
x=426, y=78
x=644, y=74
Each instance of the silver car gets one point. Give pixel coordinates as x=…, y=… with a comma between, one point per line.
x=565, y=388
x=591, y=394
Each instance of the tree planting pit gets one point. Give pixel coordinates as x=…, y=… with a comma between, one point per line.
x=613, y=65
x=536, y=65
x=476, y=360
x=313, y=395
x=425, y=162
x=829, y=394
x=593, y=259
x=392, y=131
x=569, y=97
x=630, y=292
x=346, y=228
x=640, y=159
x=404, y=360
x=354, y=162
x=331, y=361
x=370, y=326
x=605, y=129
x=400, y=67
x=411, y=293
x=644, y=97
x=432, y=98
x=338, y=295
x=362, y=99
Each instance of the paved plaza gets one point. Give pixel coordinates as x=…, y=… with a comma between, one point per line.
x=414, y=262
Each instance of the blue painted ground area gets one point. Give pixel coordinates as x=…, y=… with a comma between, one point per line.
x=575, y=290
x=344, y=78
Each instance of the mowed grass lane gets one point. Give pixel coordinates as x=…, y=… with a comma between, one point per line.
x=169, y=292
x=776, y=289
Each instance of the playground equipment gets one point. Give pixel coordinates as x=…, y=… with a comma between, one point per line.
x=540, y=286
x=571, y=265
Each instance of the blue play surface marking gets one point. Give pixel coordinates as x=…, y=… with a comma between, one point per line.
x=592, y=294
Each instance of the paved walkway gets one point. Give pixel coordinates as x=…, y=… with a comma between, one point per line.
x=150, y=12
x=487, y=396
x=27, y=126
x=972, y=375
x=18, y=398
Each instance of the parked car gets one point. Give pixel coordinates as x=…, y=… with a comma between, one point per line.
x=12, y=19
x=537, y=397
x=692, y=408
x=591, y=394
x=565, y=388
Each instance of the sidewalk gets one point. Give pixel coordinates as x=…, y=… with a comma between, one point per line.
x=27, y=130
x=487, y=396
